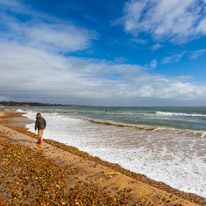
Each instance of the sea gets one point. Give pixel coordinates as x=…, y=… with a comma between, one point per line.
x=166, y=144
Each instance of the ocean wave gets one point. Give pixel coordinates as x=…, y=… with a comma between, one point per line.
x=20, y=110
x=200, y=134
x=179, y=114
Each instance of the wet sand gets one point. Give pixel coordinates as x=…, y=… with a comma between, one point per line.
x=68, y=176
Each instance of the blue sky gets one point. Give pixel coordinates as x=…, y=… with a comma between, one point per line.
x=126, y=52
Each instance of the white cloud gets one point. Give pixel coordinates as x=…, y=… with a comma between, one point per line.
x=139, y=41
x=197, y=54
x=13, y=5
x=184, y=77
x=173, y=59
x=156, y=46
x=59, y=37
x=42, y=31
x=153, y=64
x=176, y=20
x=37, y=75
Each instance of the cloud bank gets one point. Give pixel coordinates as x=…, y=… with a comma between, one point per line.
x=37, y=75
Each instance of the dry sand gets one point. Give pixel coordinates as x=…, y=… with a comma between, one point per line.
x=86, y=180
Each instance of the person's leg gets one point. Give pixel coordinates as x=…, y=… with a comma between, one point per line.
x=42, y=132
x=38, y=135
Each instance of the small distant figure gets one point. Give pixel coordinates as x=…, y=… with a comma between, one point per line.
x=40, y=124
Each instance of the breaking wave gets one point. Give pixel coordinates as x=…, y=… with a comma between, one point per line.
x=150, y=128
x=179, y=114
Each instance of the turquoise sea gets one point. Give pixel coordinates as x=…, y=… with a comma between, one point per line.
x=192, y=118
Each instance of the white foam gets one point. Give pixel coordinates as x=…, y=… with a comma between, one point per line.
x=179, y=114
x=203, y=134
x=20, y=110
x=174, y=159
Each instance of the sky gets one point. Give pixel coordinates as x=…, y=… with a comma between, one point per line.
x=124, y=52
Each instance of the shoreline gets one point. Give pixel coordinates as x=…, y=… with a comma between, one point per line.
x=117, y=170
x=143, y=127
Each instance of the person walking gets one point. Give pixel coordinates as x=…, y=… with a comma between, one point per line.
x=40, y=124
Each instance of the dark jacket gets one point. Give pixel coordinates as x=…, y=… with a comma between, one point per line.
x=40, y=123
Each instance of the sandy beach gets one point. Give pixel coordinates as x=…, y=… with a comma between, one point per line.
x=56, y=174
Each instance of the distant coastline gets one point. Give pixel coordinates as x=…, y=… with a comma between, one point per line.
x=36, y=104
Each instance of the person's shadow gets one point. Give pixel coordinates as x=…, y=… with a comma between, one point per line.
x=29, y=141
x=21, y=140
